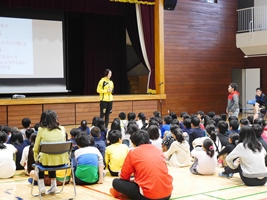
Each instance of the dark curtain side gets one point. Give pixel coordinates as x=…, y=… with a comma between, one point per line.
x=147, y=13
x=148, y=28
x=104, y=47
x=132, y=29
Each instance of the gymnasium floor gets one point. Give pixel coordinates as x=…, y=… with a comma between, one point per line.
x=186, y=186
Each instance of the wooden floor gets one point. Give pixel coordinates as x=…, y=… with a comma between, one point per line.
x=186, y=187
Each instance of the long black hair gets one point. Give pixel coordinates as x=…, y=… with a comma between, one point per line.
x=248, y=137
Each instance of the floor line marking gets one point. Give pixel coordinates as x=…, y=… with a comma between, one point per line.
x=90, y=188
x=206, y=192
x=249, y=195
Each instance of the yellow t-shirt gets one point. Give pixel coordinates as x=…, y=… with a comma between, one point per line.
x=115, y=156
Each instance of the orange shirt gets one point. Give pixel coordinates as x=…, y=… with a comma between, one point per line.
x=150, y=171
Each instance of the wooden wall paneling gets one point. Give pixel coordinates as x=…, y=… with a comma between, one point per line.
x=3, y=116
x=120, y=106
x=200, y=53
x=17, y=113
x=64, y=111
x=86, y=111
x=147, y=107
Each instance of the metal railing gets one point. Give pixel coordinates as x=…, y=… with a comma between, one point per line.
x=252, y=19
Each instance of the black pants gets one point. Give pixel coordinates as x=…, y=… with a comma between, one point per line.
x=113, y=173
x=130, y=189
x=51, y=174
x=247, y=181
x=105, y=110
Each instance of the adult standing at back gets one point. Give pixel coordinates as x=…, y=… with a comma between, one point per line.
x=261, y=102
x=105, y=89
x=233, y=100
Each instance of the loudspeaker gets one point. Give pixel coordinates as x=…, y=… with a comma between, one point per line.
x=169, y=4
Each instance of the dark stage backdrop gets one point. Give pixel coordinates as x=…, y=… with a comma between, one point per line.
x=94, y=40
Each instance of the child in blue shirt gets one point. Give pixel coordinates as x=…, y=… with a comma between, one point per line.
x=89, y=169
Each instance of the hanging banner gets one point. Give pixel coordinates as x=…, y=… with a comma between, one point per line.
x=144, y=2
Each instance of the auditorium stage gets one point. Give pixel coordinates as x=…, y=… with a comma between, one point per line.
x=72, y=109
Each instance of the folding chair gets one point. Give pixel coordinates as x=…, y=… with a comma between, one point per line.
x=246, y=109
x=55, y=148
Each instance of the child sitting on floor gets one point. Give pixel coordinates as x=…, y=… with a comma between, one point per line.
x=233, y=140
x=7, y=151
x=115, y=153
x=205, y=159
x=89, y=169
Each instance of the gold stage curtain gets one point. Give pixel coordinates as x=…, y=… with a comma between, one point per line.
x=144, y=2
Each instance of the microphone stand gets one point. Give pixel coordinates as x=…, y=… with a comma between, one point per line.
x=160, y=99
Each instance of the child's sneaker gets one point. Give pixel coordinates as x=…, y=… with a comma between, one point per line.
x=52, y=190
x=117, y=194
x=225, y=175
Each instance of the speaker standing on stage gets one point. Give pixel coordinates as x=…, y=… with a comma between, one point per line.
x=105, y=89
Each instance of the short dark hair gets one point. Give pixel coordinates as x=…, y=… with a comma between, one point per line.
x=26, y=122
x=84, y=140
x=153, y=132
x=173, y=115
x=131, y=116
x=175, y=121
x=183, y=113
x=224, y=117
x=232, y=117
x=223, y=127
x=200, y=112
x=234, y=124
x=233, y=85
x=259, y=89
x=187, y=122
x=114, y=136
x=257, y=129
x=36, y=126
x=28, y=133
x=250, y=119
x=74, y=132
x=140, y=137
x=195, y=121
x=168, y=119
x=106, y=72
x=244, y=121
x=83, y=124
x=6, y=129
x=211, y=114
x=217, y=118
x=122, y=115
x=234, y=137
x=95, y=131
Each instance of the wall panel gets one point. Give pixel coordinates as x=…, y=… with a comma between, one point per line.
x=65, y=112
x=3, y=116
x=18, y=112
x=200, y=52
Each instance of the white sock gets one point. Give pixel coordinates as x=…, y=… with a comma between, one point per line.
x=53, y=182
x=41, y=183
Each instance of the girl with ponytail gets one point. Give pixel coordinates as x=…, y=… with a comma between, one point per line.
x=205, y=159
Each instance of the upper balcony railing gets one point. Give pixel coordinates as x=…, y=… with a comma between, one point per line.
x=252, y=19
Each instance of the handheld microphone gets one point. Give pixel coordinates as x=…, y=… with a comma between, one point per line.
x=161, y=83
